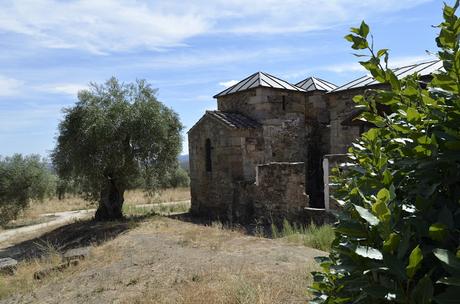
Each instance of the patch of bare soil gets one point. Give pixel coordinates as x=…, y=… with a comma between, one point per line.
x=164, y=260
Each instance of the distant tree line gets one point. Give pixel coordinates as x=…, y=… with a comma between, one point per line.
x=22, y=179
x=30, y=178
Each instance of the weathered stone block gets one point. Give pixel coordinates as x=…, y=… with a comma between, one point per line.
x=8, y=266
x=76, y=254
x=41, y=274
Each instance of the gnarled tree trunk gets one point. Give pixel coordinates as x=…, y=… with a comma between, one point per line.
x=111, y=202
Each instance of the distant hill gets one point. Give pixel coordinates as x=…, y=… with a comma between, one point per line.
x=183, y=162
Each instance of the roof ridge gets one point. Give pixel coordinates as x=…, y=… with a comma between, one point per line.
x=403, y=71
x=259, y=79
x=317, y=84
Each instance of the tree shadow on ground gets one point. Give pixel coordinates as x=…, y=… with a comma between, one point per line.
x=246, y=228
x=78, y=234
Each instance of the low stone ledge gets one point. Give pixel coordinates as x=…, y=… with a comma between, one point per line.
x=8, y=266
x=319, y=216
x=41, y=274
x=76, y=254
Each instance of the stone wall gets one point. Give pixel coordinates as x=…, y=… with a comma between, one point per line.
x=280, y=192
x=212, y=191
x=341, y=107
x=263, y=103
x=277, y=193
x=265, y=173
x=281, y=114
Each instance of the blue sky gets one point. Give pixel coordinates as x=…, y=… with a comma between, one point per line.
x=189, y=50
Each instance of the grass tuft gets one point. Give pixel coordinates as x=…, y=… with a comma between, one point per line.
x=319, y=237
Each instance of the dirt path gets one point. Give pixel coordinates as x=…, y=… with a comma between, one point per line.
x=61, y=218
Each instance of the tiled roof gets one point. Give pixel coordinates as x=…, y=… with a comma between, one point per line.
x=234, y=120
x=259, y=79
x=316, y=84
x=423, y=69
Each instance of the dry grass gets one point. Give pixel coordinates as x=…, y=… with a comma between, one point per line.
x=224, y=283
x=226, y=287
x=166, y=261
x=23, y=280
x=162, y=209
x=32, y=215
x=137, y=197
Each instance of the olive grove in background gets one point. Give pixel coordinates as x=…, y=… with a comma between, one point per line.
x=22, y=179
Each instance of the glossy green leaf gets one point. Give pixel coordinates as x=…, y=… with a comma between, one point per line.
x=438, y=232
x=412, y=115
x=390, y=244
x=369, y=252
x=363, y=29
x=447, y=258
x=415, y=260
x=367, y=215
x=379, y=208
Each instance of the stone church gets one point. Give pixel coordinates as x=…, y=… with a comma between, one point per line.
x=265, y=153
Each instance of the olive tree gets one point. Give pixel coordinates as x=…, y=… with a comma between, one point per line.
x=22, y=179
x=115, y=134
x=398, y=232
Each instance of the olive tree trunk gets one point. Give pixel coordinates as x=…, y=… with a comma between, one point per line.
x=111, y=202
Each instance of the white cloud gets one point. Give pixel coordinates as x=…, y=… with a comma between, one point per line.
x=343, y=67
x=229, y=83
x=99, y=26
x=10, y=86
x=62, y=88
x=20, y=119
x=121, y=25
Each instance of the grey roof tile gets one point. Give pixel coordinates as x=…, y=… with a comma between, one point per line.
x=423, y=69
x=259, y=79
x=234, y=120
x=316, y=84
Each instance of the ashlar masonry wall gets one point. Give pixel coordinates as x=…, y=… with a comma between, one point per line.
x=281, y=114
x=280, y=192
x=212, y=190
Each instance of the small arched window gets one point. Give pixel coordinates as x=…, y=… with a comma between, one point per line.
x=208, y=150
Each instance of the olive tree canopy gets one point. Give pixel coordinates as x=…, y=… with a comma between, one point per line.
x=22, y=179
x=113, y=135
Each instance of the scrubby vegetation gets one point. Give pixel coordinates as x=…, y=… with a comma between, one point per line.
x=319, y=237
x=398, y=237
x=22, y=179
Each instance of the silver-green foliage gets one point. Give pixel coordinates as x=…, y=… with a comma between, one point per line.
x=118, y=132
x=22, y=179
x=398, y=237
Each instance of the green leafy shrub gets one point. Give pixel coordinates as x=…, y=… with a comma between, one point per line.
x=398, y=235
x=22, y=178
x=179, y=178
